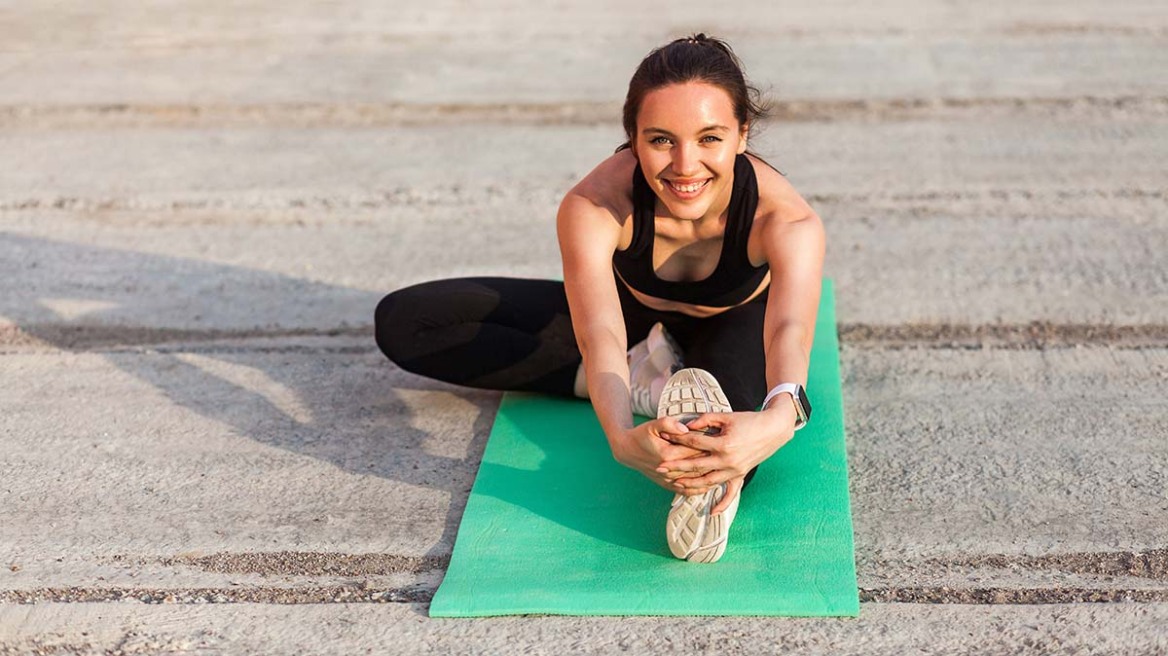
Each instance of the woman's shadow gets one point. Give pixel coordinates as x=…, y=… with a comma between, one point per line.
x=281, y=377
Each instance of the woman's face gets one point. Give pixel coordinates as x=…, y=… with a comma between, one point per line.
x=687, y=139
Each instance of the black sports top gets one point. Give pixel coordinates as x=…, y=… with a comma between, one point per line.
x=733, y=280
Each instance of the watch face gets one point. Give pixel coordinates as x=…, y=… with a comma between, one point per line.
x=803, y=402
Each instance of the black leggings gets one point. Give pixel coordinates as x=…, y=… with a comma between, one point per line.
x=516, y=334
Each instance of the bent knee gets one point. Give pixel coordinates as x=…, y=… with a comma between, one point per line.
x=394, y=320
x=403, y=315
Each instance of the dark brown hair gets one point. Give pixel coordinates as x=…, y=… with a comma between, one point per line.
x=697, y=58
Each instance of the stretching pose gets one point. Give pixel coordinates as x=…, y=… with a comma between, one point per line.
x=682, y=243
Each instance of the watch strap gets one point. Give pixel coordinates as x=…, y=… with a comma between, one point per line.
x=797, y=398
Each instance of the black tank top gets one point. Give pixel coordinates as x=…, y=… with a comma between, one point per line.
x=734, y=279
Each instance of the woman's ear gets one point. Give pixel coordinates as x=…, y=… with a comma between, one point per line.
x=742, y=135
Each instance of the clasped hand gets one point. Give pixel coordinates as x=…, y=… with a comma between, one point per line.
x=684, y=459
x=647, y=446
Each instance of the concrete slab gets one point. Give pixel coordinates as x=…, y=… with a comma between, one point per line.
x=995, y=452
x=235, y=450
x=199, y=206
x=396, y=70
x=123, y=23
x=964, y=465
x=349, y=168
x=132, y=628
x=115, y=53
x=1015, y=218
x=173, y=271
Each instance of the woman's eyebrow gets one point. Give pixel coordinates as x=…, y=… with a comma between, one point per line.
x=708, y=128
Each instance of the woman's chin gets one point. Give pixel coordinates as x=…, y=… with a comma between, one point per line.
x=691, y=211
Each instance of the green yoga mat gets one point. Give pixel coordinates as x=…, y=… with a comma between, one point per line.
x=554, y=525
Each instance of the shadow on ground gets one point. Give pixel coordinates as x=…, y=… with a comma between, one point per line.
x=349, y=407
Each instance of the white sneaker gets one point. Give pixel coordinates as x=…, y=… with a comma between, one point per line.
x=691, y=531
x=651, y=362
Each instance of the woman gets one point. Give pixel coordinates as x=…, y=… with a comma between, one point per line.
x=682, y=241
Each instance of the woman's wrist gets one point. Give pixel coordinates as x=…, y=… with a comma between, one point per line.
x=780, y=414
x=796, y=398
x=619, y=441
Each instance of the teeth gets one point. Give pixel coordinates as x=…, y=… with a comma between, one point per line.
x=689, y=188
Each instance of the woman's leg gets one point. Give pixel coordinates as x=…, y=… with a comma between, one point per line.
x=729, y=346
x=490, y=333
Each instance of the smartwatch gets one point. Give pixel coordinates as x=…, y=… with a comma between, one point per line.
x=798, y=397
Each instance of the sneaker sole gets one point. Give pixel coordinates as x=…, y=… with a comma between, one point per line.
x=692, y=532
x=691, y=392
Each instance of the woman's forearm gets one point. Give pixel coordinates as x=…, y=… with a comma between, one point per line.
x=606, y=371
x=788, y=355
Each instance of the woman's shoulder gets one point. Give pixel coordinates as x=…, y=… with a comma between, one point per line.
x=594, y=215
x=610, y=185
x=783, y=217
x=778, y=201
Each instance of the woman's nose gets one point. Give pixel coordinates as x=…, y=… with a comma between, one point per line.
x=685, y=160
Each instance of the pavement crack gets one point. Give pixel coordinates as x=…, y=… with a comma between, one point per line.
x=424, y=594
x=1151, y=564
x=1031, y=336
x=301, y=563
x=103, y=337
x=240, y=595
x=399, y=114
x=1016, y=596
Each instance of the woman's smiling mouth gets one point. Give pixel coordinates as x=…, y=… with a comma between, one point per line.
x=688, y=190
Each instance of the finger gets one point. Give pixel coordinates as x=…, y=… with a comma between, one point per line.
x=716, y=477
x=689, y=491
x=671, y=452
x=667, y=484
x=675, y=475
x=713, y=446
x=694, y=441
x=702, y=464
x=671, y=425
x=709, y=420
x=733, y=489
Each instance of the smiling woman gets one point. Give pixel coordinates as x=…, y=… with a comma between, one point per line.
x=682, y=242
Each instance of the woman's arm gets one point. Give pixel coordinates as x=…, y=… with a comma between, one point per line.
x=589, y=233
x=795, y=251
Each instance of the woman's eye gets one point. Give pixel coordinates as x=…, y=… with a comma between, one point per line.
x=657, y=141
x=710, y=138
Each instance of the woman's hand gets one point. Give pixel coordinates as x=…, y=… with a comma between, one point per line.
x=742, y=441
x=646, y=446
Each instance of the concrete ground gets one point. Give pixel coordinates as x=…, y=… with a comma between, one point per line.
x=200, y=204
